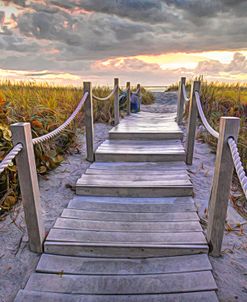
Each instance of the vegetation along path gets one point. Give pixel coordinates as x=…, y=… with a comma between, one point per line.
x=132, y=233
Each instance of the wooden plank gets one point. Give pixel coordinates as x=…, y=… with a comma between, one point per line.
x=120, y=250
x=172, y=165
x=147, y=191
x=105, y=266
x=121, y=216
x=113, y=157
x=174, y=178
x=115, y=226
x=115, y=285
x=34, y=296
x=136, y=172
x=125, y=238
x=129, y=200
x=119, y=206
x=92, y=180
x=145, y=135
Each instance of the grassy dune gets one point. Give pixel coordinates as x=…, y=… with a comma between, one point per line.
x=45, y=107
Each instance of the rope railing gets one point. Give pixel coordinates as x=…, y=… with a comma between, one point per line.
x=105, y=98
x=227, y=158
x=58, y=130
x=9, y=157
x=238, y=165
x=184, y=93
x=203, y=117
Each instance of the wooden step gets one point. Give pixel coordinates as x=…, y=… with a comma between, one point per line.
x=149, y=126
x=136, y=150
x=139, y=166
x=95, y=266
x=124, y=284
x=34, y=296
x=131, y=185
x=129, y=205
x=137, y=179
x=144, y=134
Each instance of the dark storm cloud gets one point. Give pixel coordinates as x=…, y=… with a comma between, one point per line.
x=72, y=31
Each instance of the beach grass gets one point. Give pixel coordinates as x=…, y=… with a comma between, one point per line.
x=46, y=107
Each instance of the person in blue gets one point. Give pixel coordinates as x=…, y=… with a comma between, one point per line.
x=135, y=101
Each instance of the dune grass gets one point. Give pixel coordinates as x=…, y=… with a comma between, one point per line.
x=46, y=107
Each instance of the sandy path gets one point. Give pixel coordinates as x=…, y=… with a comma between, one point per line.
x=17, y=262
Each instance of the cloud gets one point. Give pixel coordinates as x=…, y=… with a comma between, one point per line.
x=73, y=35
x=238, y=65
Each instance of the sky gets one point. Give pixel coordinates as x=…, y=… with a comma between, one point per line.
x=152, y=42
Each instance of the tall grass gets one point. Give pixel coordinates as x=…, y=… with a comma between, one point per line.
x=46, y=107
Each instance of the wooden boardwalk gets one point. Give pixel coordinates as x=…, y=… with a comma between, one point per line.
x=132, y=233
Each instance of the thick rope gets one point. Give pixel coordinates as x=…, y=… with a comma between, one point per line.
x=55, y=132
x=10, y=156
x=238, y=165
x=184, y=93
x=105, y=98
x=203, y=117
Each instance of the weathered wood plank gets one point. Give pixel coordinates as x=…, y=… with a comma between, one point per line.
x=113, y=226
x=133, y=181
x=119, y=206
x=154, y=157
x=126, y=238
x=121, y=216
x=34, y=296
x=157, y=191
x=133, y=201
x=133, y=284
x=172, y=165
x=105, y=266
x=145, y=135
x=153, y=180
x=120, y=250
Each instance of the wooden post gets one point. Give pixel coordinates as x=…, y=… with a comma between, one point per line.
x=180, y=106
x=89, y=121
x=116, y=102
x=26, y=166
x=191, y=130
x=138, y=87
x=229, y=127
x=128, y=98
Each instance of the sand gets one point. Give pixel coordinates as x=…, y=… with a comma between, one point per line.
x=17, y=262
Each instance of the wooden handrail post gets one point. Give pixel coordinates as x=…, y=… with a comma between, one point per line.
x=116, y=101
x=87, y=87
x=180, y=106
x=139, y=96
x=191, y=130
x=28, y=179
x=128, y=98
x=217, y=211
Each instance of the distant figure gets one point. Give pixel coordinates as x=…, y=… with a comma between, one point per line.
x=134, y=101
